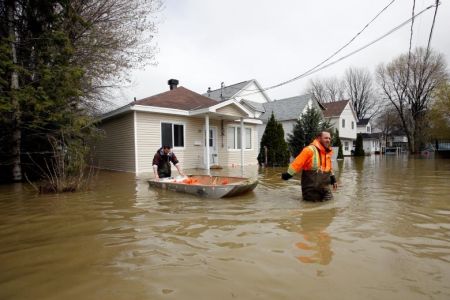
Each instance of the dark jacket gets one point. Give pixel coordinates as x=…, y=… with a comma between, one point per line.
x=163, y=160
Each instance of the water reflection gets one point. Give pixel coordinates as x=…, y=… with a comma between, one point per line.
x=317, y=241
x=385, y=235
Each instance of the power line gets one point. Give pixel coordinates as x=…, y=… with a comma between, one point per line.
x=432, y=26
x=309, y=72
x=410, y=44
x=340, y=49
x=411, y=35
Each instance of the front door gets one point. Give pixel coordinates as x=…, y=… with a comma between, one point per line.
x=212, y=144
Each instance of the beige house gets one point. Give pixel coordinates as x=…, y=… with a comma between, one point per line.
x=202, y=132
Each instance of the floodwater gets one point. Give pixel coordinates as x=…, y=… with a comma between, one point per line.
x=386, y=235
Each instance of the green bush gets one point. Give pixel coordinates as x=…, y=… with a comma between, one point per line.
x=277, y=148
x=359, y=149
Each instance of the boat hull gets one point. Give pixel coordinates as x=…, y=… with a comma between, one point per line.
x=207, y=186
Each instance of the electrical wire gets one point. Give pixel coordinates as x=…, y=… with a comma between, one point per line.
x=411, y=35
x=344, y=57
x=340, y=49
x=432, y=26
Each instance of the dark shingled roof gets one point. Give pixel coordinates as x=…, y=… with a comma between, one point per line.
x=285, y=109
x=227, y=91
x=375, y=135
x=334, y=109
x=178, y=98
x=254, y=105
x=363, y=122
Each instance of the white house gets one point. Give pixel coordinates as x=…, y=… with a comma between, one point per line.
x=249, y=90
x=343, y=117
x=371, y=140
x=250, y=94
x=202, y=132
x=287, y=111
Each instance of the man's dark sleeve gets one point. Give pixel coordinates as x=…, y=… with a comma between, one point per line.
x=156, y=159
x=174, y=159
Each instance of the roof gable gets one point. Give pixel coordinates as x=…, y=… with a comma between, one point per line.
x=334, y=109
x=179, y=98
x=226, y=92
x=240, y=89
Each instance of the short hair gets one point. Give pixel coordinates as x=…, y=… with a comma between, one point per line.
x=320, y=133
x=167, y=147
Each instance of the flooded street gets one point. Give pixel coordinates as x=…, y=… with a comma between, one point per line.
x=386, y=235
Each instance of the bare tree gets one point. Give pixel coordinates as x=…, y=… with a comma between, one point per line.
x=408, y=82
x=359, y=89
x=387, y=121
x=110, y=38
x=326, y=90
x=317, y=90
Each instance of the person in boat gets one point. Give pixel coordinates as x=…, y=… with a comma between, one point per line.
x=161, y=162
x=317, y=172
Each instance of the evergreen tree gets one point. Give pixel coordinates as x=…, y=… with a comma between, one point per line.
x=359, y=149
x=307, y=127
x=56, y=58
x=338, y=143
x=277, y=148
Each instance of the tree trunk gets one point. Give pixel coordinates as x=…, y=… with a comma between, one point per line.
x=411, y=144
x=17, y=133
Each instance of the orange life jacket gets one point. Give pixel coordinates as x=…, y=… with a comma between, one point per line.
x=313, y=157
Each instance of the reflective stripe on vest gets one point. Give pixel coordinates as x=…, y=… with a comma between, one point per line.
x=316, y=159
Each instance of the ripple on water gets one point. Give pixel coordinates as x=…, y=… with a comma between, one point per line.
x=385, y=235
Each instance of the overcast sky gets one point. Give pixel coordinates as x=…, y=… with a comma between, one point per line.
x=202, y=43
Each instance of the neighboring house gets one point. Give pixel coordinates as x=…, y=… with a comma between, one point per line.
x=371, y=140
x=201, y=131
x=343, y=117
x=287, y=111
x=249, y=90
x=397, y=139
x=250, y=94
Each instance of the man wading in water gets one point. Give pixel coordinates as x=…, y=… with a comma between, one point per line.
x=161, y=162
x=317, y=173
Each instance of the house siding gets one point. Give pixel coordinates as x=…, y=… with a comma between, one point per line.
x=231, y=111
x=115, y=150
x=349, y=117
x=371, y=145
x=148, y=132
x=192, y=154
x=346, y=134
x=232, y=157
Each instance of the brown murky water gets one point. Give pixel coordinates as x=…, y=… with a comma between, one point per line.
x=385, y=236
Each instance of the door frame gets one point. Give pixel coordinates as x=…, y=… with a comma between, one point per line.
x=213, y=151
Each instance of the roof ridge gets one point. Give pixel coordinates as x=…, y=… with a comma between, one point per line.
x=226, y=86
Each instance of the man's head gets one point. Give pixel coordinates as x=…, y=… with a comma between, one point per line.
x=166, y=149
x=324, y=138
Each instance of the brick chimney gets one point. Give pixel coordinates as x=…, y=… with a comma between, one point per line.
x=173, y=83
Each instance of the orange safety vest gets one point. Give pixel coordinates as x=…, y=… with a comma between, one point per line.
x=312, y=158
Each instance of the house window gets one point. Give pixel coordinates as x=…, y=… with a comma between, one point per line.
x=234, y=137
x=368, y=129
x=353, y=125
x=172, y=134
x=343, y=123
x=248, y=138
x=346, y=146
